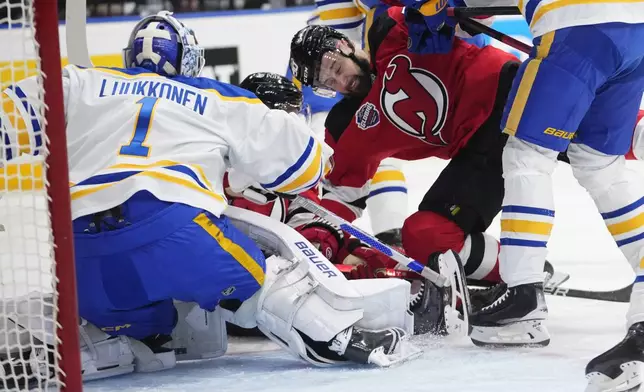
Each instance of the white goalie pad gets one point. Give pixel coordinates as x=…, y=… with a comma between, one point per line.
x=199, y=334
x=305, y=292
x=382, y=299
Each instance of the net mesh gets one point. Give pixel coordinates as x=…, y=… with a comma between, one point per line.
x=27, y=279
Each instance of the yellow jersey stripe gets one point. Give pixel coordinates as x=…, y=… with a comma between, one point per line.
x=341, y=13
x=387, y=175
x=236, y=251
x=525, y=86
x=160, y=176
x=311, y=172
x=367, y=26
x=88, y=191
x=235, y=99
x=526, y=226
x=199, y=169
x=544, y=9
x=628, y=225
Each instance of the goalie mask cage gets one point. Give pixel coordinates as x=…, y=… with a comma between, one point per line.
x=39, y=344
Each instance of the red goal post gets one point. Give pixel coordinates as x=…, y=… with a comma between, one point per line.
x=39, y=342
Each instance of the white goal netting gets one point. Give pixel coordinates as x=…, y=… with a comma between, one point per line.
x=30, y=339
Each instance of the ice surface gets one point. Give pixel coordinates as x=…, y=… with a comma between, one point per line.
x=580, y=329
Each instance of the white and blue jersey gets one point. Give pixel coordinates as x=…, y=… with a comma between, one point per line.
x=147, y=155
x=130, y=130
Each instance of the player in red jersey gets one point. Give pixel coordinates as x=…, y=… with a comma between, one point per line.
x=410, y=106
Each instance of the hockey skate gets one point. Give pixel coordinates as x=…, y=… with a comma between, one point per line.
x=515, y=318
x=440, y=310
x=620, y=368
x=383, y=348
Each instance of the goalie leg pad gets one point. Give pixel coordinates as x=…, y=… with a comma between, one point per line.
x=199, y=334
x=102, y=355
x=305, y=301
x=382, y=304
x=290, y=305
x=288, y=302
x=105, y=356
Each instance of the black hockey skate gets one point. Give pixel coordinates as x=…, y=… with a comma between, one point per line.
x=620, y=368
x=430, y=304
x=482, y=297
x=383, y=348
x=514, y=318
x=427, y=304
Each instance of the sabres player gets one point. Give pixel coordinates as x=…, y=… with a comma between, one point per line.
x=148, y=147
x=579, y=90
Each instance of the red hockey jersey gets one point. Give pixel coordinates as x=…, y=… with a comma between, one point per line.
x=419, y=106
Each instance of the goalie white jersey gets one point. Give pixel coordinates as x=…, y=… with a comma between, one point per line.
x=130, y=130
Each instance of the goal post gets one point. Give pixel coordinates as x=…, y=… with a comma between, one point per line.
x=39, y=342
x=46, y=22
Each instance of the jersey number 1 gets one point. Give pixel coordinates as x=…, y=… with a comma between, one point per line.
x=136, y=148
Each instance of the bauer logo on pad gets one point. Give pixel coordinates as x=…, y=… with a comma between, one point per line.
x=367, y=116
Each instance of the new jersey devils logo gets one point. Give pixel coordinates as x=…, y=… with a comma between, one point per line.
x=414, y=100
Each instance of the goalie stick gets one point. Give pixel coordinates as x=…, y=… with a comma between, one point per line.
x=451, y=276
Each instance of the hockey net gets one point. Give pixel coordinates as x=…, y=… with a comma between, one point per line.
x=39, y=347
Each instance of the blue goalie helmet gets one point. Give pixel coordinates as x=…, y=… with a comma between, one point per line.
x=162, y=44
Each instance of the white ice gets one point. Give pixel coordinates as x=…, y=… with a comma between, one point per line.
x=580, y=329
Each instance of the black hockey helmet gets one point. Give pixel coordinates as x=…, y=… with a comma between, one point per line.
x=275, y=91
x=307, y=48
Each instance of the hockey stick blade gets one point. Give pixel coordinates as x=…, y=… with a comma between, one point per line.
x=434, y=277
x=620, y=295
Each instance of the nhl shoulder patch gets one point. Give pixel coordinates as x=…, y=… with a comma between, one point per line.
x=367, y=116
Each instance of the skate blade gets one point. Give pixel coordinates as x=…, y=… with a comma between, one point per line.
x=531, y=333
x=629, y=381
x=405, y=353
x=457, y=323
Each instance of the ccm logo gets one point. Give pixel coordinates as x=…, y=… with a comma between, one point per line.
x=315, y=259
